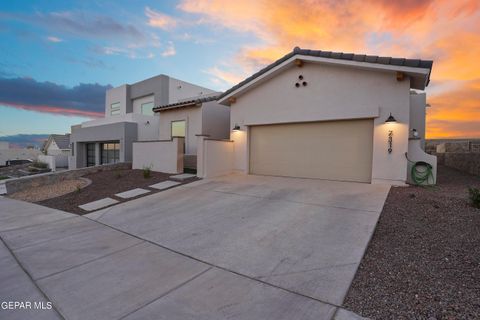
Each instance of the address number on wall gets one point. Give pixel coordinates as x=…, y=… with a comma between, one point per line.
x=390, y=141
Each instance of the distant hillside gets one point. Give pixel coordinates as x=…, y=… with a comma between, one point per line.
x=24, y=140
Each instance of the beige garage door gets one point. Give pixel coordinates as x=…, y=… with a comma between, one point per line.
x=334, y=150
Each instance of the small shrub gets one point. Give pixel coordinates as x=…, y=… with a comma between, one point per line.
x=39, y=164
x=78, y=188
x=118, y=174
x=3, y=177
x=474, y=196
x=147, y=171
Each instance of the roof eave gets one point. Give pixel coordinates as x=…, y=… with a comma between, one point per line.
x=424, y=73
x=185, y=105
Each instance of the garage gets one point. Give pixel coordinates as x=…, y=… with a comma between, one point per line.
x=333, y=150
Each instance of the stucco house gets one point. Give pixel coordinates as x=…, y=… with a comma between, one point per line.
x=57, y=144
x=326, y=115
x=185, y=120
x=191, y=118
x=128, y=117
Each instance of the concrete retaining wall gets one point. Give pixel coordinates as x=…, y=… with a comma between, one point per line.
x=465, y=162
x=162, y=155
x=53, y=177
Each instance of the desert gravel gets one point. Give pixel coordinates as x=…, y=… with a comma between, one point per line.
x=41, y=193
x=423, y=261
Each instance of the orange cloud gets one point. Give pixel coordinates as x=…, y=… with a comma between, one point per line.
x=455, y=113
x=160, y=20
x=446, y=31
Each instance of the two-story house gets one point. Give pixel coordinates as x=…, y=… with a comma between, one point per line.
x=128, y=118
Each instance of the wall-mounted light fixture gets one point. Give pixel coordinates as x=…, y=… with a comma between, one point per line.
x=415, y=133
x=390, y=119
x=147, y=123
x=236, y=128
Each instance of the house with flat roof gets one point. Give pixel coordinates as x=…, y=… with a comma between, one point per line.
x=128, y=117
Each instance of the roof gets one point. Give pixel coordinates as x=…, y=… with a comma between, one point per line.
x=62, y=140
x=401, y=62
x=187, y=103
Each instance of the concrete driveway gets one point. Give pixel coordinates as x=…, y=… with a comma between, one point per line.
x=242, y=247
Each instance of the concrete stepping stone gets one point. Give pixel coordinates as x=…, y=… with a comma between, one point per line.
x=164, y=185
x=95, y=205
x=132, y=193
x=3, y=188
x=183, y=176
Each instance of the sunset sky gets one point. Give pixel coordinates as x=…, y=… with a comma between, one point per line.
x=57, y=58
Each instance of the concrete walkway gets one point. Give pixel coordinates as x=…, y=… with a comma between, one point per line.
x=238, y=247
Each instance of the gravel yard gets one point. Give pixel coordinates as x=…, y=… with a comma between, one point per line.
x=106, y=184
x=423, y=261
x=36, y=194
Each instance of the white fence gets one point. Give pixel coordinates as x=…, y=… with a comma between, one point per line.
x=54, y=162
x=161, y=155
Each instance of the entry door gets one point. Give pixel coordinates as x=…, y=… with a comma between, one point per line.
x=90, y=154
x=333, y=150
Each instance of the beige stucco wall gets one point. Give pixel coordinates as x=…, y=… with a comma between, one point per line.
x=161, y=156
x=193, y=122
x=179, y=90
x=333, y=92
x=216, y=120
x=214, y=158
x=137, y=103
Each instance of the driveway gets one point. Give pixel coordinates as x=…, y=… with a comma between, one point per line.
x=242, y=247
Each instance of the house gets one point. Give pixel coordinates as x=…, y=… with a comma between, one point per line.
x=57, y=144
x=188, y=119
x=128, y=117
x=325, y=115
x=11, y=156
x=191, y=118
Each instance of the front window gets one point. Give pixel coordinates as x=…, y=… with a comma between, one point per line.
x=115, y=109
x=147, y=108
x=110, y=152
x=178, y=128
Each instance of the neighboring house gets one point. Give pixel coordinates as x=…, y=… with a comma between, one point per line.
x=320, y=114
x=128, y=117
x=57, y=144
x=191, y=118
x=8, y=155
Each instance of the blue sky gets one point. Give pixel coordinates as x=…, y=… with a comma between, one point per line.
x=68, y=43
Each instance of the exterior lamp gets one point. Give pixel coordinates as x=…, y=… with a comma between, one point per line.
x=236, y=128
x=390, y=119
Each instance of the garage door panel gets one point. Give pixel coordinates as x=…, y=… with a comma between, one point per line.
x=336, y=150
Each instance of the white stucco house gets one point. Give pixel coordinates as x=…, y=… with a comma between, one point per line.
x=180, y=126
x=325, y=115
x=57, y=144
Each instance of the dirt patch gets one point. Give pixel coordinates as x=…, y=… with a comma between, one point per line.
x=49, y=191
x=423, y=261
x=106, y=184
